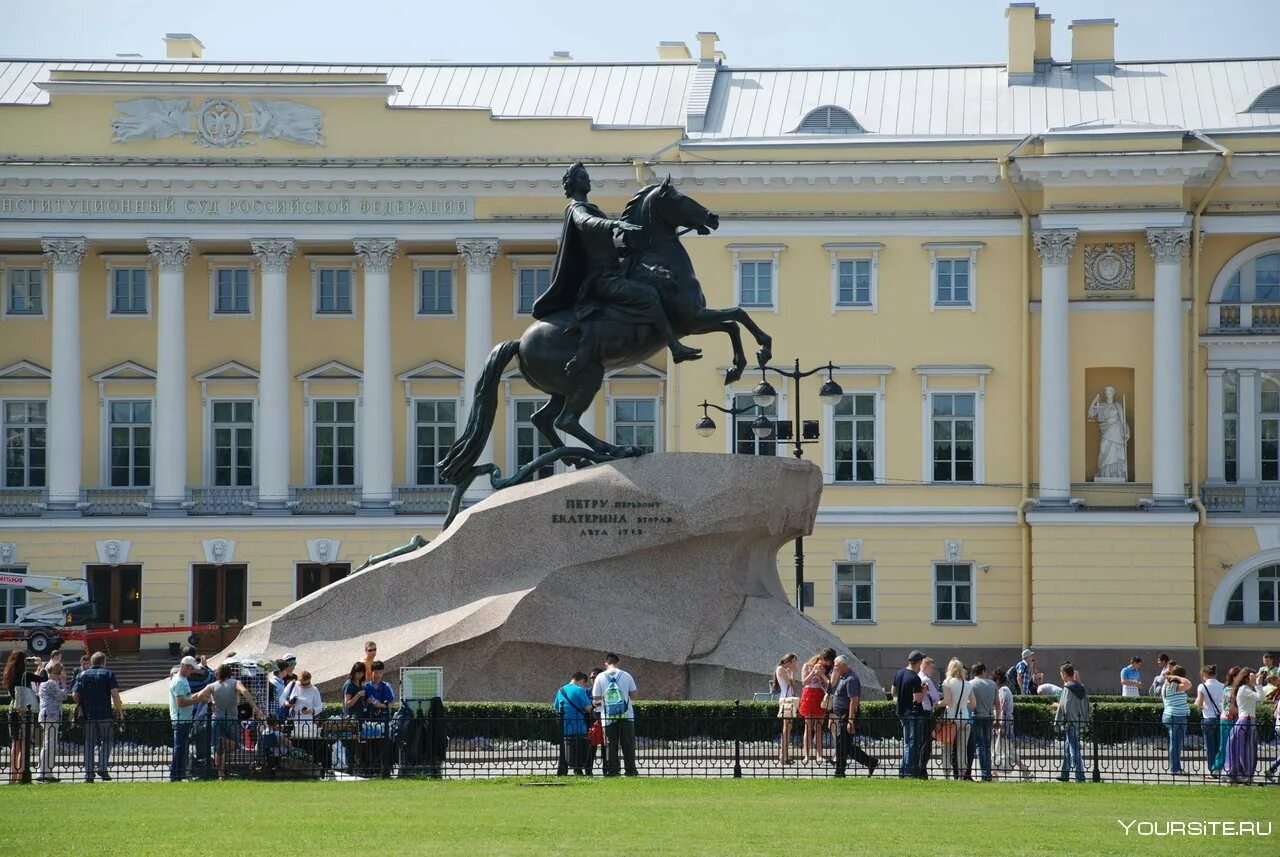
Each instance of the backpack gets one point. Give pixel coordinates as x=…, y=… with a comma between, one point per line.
x=615, y=701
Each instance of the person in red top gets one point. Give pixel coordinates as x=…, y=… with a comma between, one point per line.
x=815, y=677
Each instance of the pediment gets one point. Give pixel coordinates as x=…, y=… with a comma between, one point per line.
x=25, y=370
x=433, y=370
x=232, y=370
x=334, y=370
x=126, y=371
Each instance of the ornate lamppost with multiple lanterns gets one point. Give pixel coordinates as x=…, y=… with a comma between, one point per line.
x=798, y=432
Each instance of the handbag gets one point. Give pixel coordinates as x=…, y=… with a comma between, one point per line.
x=827, y=700
x=945, y=729
x=595, y=735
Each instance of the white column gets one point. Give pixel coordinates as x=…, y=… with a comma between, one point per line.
x=1168, y=422
x=169, y=429
x=272, y=423
x=479, y=254
x=1054, y=247
x=62, y=456
x=1247, y=449
x=1217, y=465
x=376, y=256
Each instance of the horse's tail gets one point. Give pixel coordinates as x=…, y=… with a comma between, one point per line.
x=463, y=455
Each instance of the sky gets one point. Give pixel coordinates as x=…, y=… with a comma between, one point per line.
x=752, y=33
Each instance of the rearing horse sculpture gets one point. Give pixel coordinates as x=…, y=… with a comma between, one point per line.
x=547, y=349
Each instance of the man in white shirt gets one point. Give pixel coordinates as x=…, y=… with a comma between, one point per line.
x=1210, y=700
x=614, y=694
x=930, y=697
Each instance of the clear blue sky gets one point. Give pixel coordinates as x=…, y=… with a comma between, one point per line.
x=778, y=32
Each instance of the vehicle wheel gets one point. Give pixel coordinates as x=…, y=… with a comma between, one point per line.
x=41, y=642
x=193, y=639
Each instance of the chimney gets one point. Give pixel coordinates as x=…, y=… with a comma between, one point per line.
x=673, y=51
x=1022, y=42
x=561, y=56
x=1044, y=42
x=182, y=46
x=707, y=48
x=1093, y=43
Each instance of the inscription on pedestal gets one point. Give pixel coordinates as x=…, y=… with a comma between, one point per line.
x=598, y=517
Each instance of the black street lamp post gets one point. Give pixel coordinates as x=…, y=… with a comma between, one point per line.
x=801, y=432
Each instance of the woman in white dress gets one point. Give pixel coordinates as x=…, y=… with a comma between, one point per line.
x=787, y=686
x=957, y=702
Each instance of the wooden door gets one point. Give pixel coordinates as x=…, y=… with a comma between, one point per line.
x=220, y=596
x=313, y=575
x=116, y=591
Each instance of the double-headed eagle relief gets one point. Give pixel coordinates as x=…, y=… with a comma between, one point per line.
x=218, y=122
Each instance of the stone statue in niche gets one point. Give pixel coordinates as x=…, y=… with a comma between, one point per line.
x=1113, y=440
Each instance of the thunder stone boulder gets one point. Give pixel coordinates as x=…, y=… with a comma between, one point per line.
x=669, y=560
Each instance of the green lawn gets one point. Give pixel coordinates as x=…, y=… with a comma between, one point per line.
x=648, y=816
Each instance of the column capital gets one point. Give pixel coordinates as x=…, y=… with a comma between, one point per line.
x=478, y=253
x=376, y=254
x=170, y=254
x=64, y=254
x=1168, y=245
x=274, y=254
x=1054, y=245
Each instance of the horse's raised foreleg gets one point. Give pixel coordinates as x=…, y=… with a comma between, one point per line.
x=708, y=318
x=731, y=330
x=576, y=403
x=544, y=420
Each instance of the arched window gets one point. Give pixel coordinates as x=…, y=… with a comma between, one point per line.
x=1267, y=102
x=829, y=120
x=1256, y=599
x=1248, y=298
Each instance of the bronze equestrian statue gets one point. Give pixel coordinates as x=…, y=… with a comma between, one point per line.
x=605, y=309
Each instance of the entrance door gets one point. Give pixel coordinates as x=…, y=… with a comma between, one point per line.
x=220, y=597
x=116, y=591
x=313, y=576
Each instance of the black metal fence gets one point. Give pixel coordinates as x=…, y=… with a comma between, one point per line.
x=742, y=743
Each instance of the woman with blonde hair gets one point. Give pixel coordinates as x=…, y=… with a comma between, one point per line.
x=815, y=676
x=957, y=702
x=787, y=686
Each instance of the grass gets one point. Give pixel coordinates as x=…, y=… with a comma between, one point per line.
x=647, y=816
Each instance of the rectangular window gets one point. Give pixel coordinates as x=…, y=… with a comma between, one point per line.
x=334, y=442
x=25, y=426
x=12, y=599
x=855, y=438
x=745, y=441
x=755, y=284
x=313, y=576
x=853, y=287
x=529, y=442
x=25, y=291
x=129, y=434
x=435, y=291
x=232, y=431
x=1268, y=595
x=1269, y=431
x=129, y=291
x=435, y=429
x=853, y=590
x=231, y=291
x=953, y=436
x=635, y=423
x=952, y=282
x=953, y=593
x=1230, y=425
x=530, y=284
x=333, y=291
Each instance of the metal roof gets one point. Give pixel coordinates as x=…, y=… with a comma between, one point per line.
x=748, y=103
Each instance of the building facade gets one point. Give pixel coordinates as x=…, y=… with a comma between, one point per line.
x=245, y=305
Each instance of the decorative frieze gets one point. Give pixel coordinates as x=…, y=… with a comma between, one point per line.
x=218, y=123
x=1108, y=268
x=1054, y=245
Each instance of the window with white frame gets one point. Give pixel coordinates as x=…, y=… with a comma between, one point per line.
x=25, y=444
x=435, y=291
x=744, y=440
x=333, y=291
x=129, y=444
x=333, y=444
x=231, y=291
x=853, y=282
x=435, y=428
x=1269, y=429
x=1257, y=280
x=24, y=291
x=951, y=282
x=953, y=592
x=129, y=290
x=1256, y=599
x=953, y=429
x=531, y=282
x=12, y=598
x=855, y=438
x=854, y=592
x=755, y=283
x=231, y=436
x=635, y=423
x=1230, y=425
x=529, y=442
x=953, y=274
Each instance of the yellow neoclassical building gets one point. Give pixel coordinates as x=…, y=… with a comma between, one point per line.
x=245, y=303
